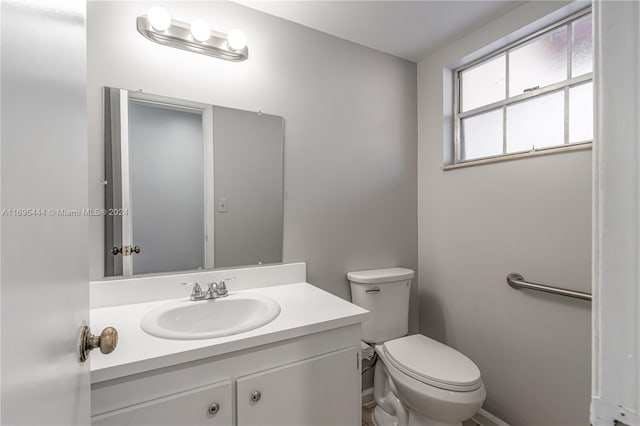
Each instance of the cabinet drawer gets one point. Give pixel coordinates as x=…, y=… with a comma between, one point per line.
x=189, y=408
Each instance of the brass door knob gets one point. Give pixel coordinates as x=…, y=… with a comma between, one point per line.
x=136, y=249
x=115, y=251
x=106, y=341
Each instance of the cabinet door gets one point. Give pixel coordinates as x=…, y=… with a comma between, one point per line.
x=320, y=391
x=188, y=408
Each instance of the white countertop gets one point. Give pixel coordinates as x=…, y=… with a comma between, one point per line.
x=305, y=309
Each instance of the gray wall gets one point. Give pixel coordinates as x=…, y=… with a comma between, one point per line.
x=350, y=135
x=248, y=169
x=476, y=225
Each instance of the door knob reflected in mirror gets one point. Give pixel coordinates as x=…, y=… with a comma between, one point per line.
x=106, y=341
x=126, y=250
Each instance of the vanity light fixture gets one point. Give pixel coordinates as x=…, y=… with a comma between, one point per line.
x=158, y=26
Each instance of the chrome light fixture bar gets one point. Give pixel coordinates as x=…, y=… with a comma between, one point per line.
x=179, y=35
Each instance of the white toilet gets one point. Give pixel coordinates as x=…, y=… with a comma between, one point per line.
x=418, y=381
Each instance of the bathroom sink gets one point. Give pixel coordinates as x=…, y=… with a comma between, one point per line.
x=205, y=319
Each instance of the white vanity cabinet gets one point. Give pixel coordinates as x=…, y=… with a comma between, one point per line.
x=311, y=380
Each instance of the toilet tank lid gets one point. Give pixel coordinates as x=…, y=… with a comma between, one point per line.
x=376, y=276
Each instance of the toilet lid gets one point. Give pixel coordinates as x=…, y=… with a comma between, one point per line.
x=433, y=363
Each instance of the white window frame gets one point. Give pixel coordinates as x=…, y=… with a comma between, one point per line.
x=564, y=85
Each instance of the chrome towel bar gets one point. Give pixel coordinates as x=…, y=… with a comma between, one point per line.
x=517, y=281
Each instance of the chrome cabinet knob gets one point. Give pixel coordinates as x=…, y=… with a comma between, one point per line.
x=214, y=408
x=255, y=396
x=106, y=341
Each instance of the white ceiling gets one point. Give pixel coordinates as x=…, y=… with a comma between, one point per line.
x=408, y=29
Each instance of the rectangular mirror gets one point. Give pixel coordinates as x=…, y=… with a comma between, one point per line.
x=190, y=186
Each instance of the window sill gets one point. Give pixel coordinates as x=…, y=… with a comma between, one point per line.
x=520, y=155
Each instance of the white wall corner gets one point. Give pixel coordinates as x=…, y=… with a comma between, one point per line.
x=616, y=215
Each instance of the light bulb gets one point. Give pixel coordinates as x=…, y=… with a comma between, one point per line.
x=159, y=18
x=236, y=39
x=200, y=30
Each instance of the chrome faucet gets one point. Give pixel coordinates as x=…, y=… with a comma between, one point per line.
x=214, y=290
x=217, y=290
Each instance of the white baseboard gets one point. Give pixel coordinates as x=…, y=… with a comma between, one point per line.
x=367, y=398
x=485, y=418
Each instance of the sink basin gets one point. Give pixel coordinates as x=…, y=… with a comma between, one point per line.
x=205, y=319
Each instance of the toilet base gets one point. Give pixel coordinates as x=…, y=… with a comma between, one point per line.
x=382, y=418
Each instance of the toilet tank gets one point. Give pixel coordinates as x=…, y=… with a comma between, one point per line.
x=385, y=293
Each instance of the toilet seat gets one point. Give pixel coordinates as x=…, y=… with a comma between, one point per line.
x=433, y=363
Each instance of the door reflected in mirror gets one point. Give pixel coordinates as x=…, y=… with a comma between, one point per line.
x=190, y=186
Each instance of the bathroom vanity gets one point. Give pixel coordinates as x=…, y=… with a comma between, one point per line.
x=302, y=368
x=225, y=360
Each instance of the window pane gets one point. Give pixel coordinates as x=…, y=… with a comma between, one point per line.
x=582, y=47
x=581, y=113
x=483, y=84
x=481, y=135
x=538, y=122
x=539, y=63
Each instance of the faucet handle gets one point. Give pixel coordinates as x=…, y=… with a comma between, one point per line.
x=195, y=285
x=197, y=290
x=222, y=286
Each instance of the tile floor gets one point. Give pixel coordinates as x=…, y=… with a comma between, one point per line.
x=368, y=411
x=366, y=415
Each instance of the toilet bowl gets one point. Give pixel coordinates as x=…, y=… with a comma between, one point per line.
x=418, y=381
x=432, y=392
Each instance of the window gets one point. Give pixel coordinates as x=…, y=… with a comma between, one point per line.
x=533, y=96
